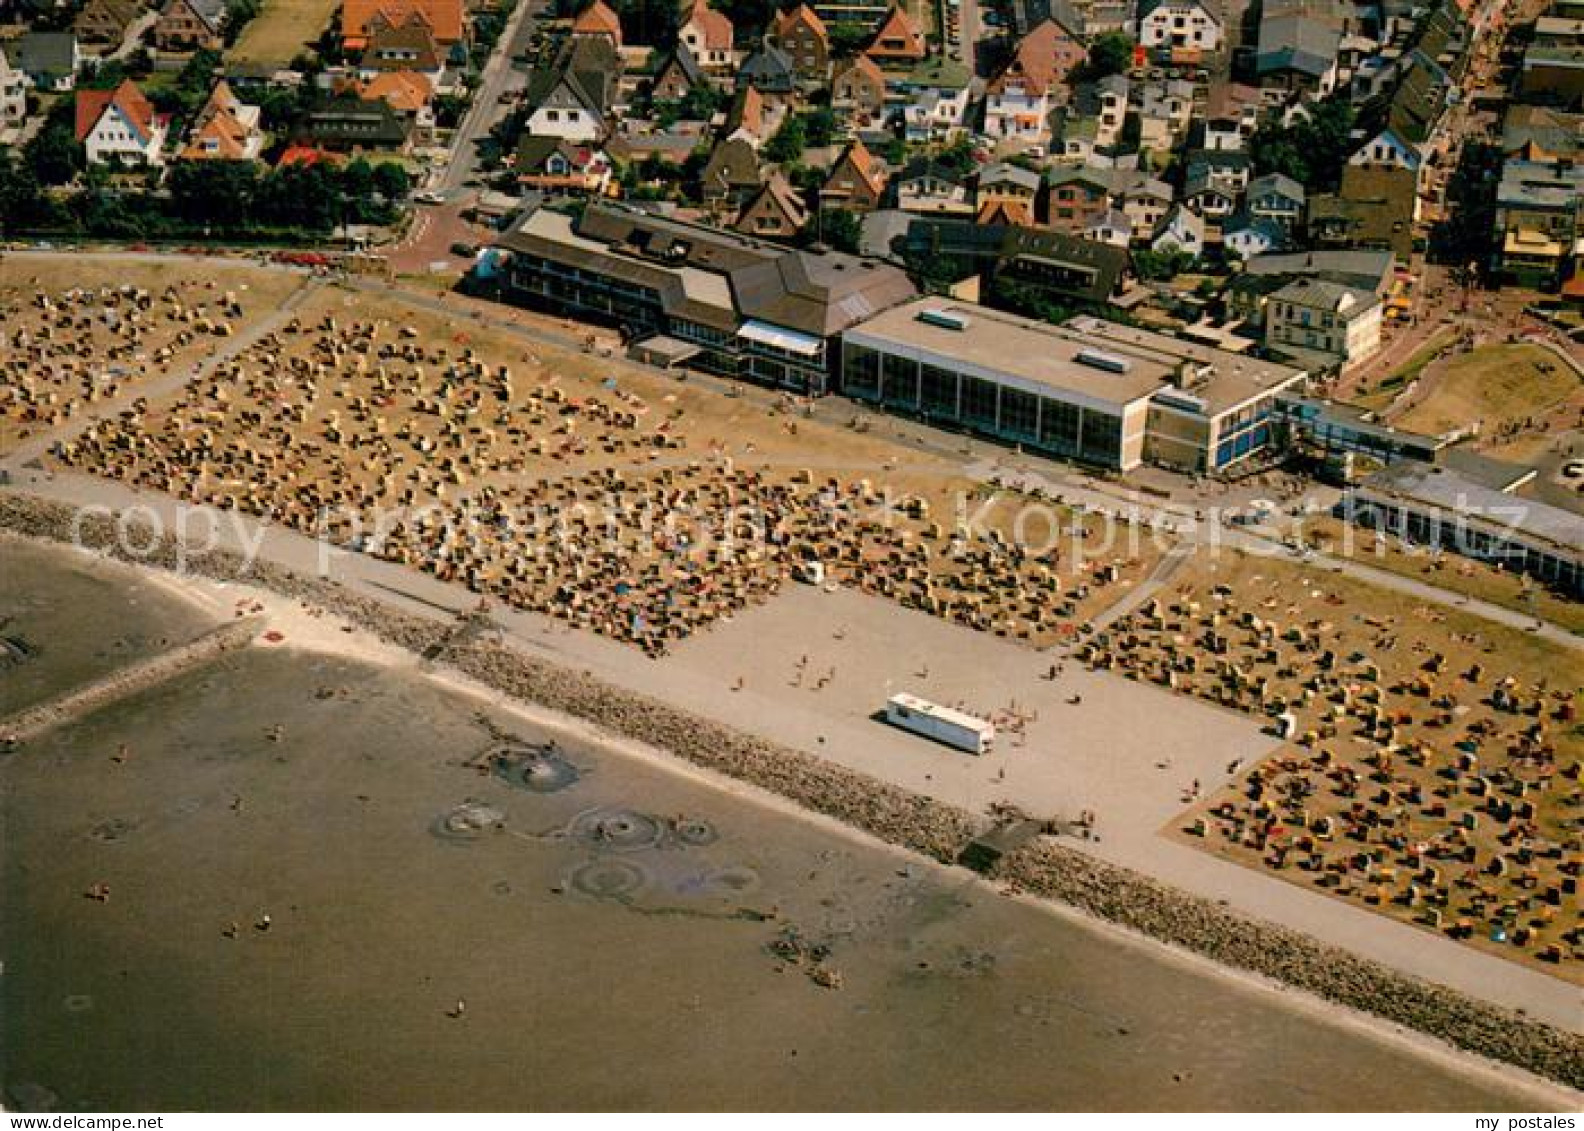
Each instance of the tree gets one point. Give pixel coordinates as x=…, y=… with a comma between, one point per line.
x=1154, y=265
x=1110, y=54
x=218, y=193
x=54, y=156
x=819, y=127
x=787, y=144
x=841, y=229
x=391, y=180
x=1312, y=151
x=238, y=14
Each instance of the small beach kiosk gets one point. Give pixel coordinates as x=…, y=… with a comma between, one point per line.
x=943, y=724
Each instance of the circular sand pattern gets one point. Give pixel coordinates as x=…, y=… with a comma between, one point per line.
x=609, y=879
x=468, y=821
x=695, y=833
x=539, y=769
x=617, y=830
x=733, y=880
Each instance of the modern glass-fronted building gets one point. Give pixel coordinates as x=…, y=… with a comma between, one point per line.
x=1089, y=390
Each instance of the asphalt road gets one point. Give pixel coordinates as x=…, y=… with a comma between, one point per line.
x=499, y=77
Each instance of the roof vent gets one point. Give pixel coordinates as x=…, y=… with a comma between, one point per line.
x=944, y=319
x=1110, y=362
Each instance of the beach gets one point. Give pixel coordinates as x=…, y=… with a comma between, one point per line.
x=319, y=889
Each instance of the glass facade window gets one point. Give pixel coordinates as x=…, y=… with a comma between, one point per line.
x=900, y=381
x=1019, y=414
x=939, y=391
x=860, y=372
x=978, y=402
x=1101, y=438
x=1059, y=426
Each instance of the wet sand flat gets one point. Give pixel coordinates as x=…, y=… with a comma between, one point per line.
x=635, y=939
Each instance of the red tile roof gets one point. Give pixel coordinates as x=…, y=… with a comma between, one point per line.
x=127, y=98
x=444, y=18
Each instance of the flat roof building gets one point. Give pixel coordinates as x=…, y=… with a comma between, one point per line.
x=1090, y=390
x=1437, y=506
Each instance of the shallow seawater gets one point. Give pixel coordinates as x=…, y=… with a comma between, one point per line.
x=67, y=619
x=566, y=928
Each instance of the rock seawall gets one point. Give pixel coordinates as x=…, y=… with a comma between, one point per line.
x=1045, y=868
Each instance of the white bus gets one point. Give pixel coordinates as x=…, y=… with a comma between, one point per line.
x=943, y=724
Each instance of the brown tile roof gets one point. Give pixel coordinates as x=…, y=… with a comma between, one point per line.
x=598, y=19
x=714, y=25
x=898, y=25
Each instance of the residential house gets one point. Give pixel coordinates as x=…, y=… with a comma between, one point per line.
x=1018, y=99
x=191, y=25
x=929, y=187
x=1165, y=111
x=1225, y=134
x=802, y=35
x=1540, y=218
x=776, y=212
x=1144, y=198
x=120, y=127
x=551, y=164
x=1187, y=29
x=1007, y=190
x=1246, y=236
x=1552, y=71
x=898, y=43
x=856, y=181
x=574, y=97
x=936, y=114
x=748, y=118
x=1065, y=269
x=49, y=59
x=1310, y=316
x=1373, y=209
x=731, y=175
x=406, y=92
x=352, y=125
x=406, y=46
x=709, y=35
x=226, y=129
x=598, y=20
x=1076, y=199
x=1113, y=226
x=678, y=74
x=1296, y=54
x=1541, y=133
x=360, y=19
x=1207, y=196
x=1227, y=169
x=1404, y=134
x=105, y=21
x=859, y=88
x=1276, y=197
x=770, y=69
x=1181, y=230
x=13, y=93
